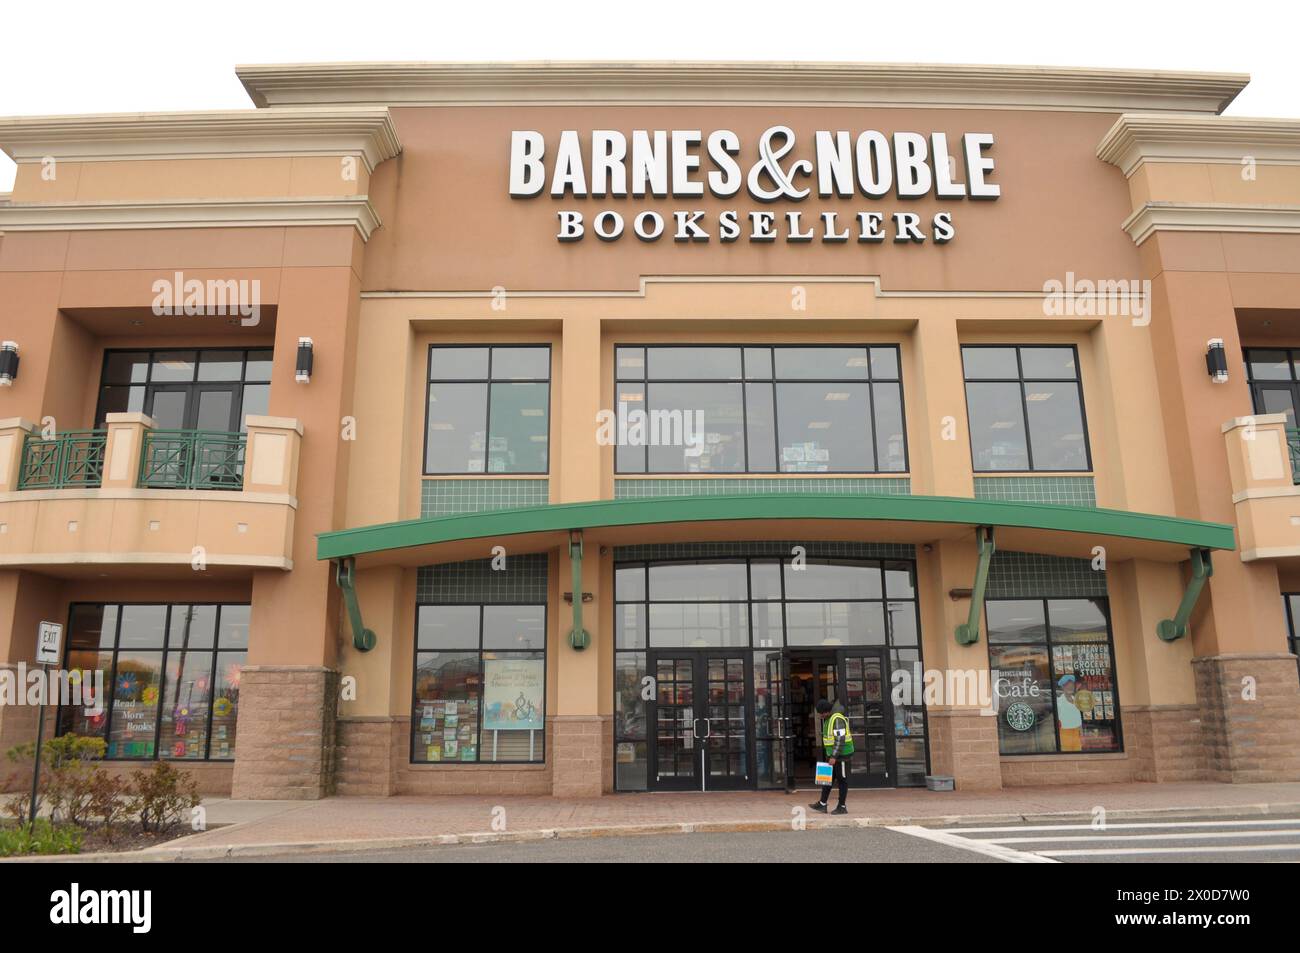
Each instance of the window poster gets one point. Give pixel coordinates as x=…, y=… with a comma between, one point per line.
x=514, y=694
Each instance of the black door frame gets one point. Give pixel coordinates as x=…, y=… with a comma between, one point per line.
x=840, y=654
x=701, y=730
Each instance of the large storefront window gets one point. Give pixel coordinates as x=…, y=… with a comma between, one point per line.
x=1025, y=408
x=207, y=389
x=1292, y=607
x=488, y=410
x=760, y=409
x=480, y=684
x=172, y=677
x=1274, y=375
x=1053, y=670
x=739, y=643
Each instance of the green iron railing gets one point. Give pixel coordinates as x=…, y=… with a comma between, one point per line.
x=192, y=460
x=1293, y=444
x=73, y=458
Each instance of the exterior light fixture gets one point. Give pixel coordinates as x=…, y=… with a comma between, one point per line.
x=302, y=373
x=1216, y=361
x=8, y=363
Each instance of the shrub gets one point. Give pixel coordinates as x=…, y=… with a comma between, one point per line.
x=39, y=838
x=108, y=800
x=67, y=775
x=161, y=797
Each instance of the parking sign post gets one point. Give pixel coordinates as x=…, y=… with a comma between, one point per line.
x=49, y=644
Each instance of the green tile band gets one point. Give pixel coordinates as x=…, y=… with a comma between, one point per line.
x=635, y=489
x=1027, y=575
x=449, y=497
x=522, y=580
x=1068, y=491
x=814, y=549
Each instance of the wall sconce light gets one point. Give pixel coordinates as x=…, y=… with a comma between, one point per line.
x=8, y=363
x=302, y=373
x=1216, y=361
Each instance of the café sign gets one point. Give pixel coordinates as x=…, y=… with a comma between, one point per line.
x=687, y=164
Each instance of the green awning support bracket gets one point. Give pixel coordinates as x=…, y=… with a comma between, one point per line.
x=578, y=636
x=968, y=632
x=345, y=575
x=1202, y=570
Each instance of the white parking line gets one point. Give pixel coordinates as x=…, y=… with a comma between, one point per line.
x=1100, y=836
x=1115, y=827
x=977, y=846
x=1122, y=851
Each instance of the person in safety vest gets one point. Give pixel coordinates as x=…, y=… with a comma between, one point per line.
x=837, y=744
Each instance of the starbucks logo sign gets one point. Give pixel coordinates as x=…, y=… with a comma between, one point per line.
x=1020, y=716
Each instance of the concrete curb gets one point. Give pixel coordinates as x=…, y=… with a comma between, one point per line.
x=166, y=854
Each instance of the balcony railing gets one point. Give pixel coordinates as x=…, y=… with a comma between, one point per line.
x=71, y=459
x=1293, y=445
x=193, y=460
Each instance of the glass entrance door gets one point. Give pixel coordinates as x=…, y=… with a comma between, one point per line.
x=865, y=677
x=701, y=717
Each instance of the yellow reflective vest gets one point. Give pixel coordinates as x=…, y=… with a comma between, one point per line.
x=836, y=721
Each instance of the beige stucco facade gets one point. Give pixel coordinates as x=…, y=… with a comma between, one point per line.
x=371, y=206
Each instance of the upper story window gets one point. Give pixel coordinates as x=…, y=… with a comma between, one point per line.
x=489, y=409
x=1274, y=375
x=193, y=389
x=762, y=409
x=1025, y=408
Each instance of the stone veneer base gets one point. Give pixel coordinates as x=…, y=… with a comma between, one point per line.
x=1251, y=736
x=285, y=733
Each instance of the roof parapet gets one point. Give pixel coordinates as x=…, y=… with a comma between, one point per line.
x=679, y=82
x=365, y=131
x=1139, y=137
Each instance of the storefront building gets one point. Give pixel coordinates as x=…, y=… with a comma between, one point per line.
x=574, y=428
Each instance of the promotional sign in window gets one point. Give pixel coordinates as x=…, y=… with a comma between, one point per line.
x=513, y=694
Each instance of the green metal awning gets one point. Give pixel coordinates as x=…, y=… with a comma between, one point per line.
x=1161, y=532
x=1030, y=527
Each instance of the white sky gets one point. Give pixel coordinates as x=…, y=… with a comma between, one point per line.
x=86, y=57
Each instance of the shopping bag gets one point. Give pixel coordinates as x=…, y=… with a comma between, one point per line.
x=825, y=773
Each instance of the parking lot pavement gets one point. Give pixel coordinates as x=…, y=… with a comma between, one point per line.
x=1161, y=839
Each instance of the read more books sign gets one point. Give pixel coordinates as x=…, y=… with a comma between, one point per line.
x=685, y=164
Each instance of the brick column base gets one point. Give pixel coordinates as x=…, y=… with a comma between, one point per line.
x=964, y=745
x=1250, y=710
x=366, y=753
x=578, y=755
x=284, y=743
x=1165, y=742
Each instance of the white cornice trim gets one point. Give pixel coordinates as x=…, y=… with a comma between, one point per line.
x=1136, y=138
x=739, y=83
x=365, y=131
x=217, y=213
x=1192, y=217
x=1256, y=421
x=138, y=494
x=1269, y=552
x=143, y=559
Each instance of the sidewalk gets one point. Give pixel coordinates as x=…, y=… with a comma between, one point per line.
x=357, y=823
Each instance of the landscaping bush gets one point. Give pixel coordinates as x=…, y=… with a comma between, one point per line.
x=68, y=775
x=82, y=794
x=39, y=838
x=162, y=797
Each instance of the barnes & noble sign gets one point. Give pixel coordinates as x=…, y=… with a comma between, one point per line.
x=685, y=164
